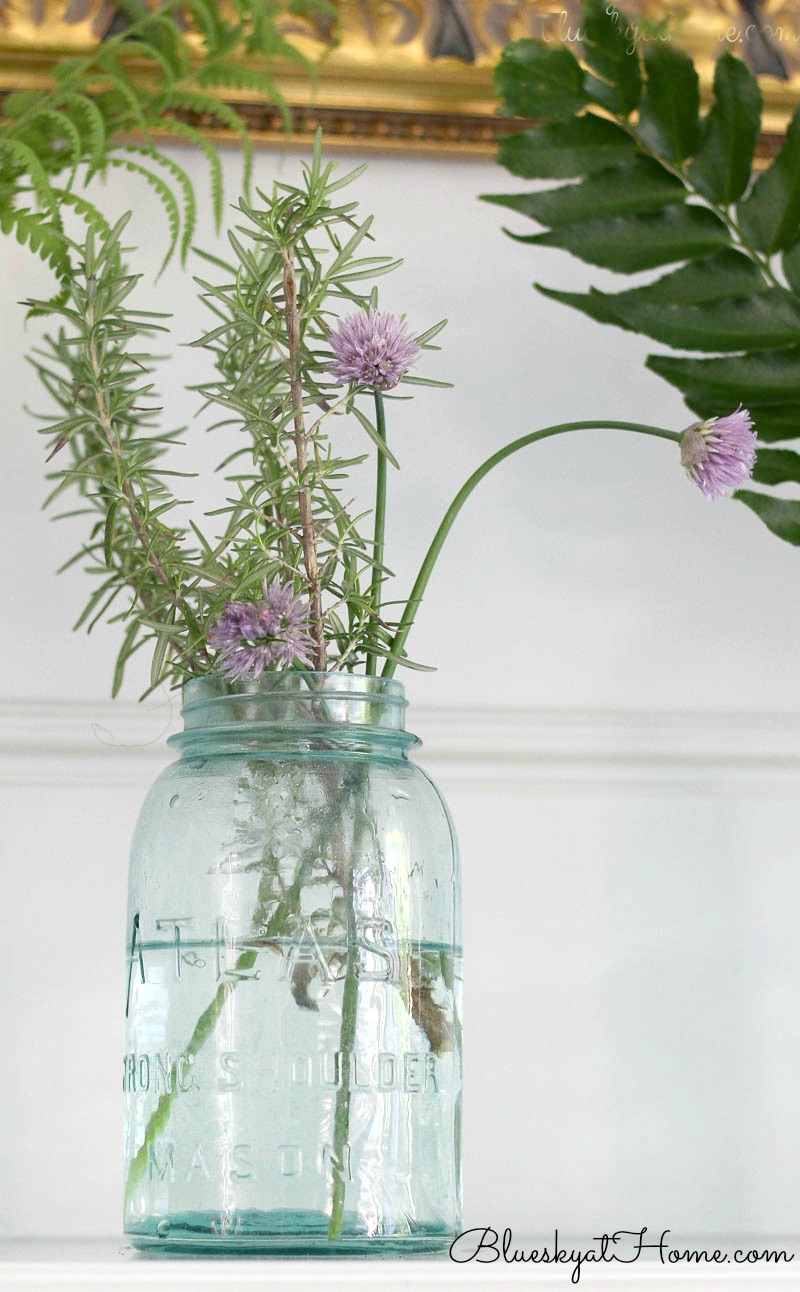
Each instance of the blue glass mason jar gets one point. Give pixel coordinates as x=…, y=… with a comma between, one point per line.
x=292, y=1067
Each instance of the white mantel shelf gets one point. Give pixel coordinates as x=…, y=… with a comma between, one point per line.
x=30, y=1265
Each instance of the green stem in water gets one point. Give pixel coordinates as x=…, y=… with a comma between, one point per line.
x=380, y=530
x=341, y=1117
x=203, y=1029
x=432, y=555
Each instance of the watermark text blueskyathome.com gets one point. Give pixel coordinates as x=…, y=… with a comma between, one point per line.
x=623, y=1246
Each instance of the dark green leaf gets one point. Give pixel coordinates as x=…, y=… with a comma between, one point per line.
x=721, y=169
x=776, y=423
x=770, y=214
x=773, y=422
x=761, y=322
x=726, y=273
x=780, y=515
x=639, y=242
x=779, y=423
x=777, y=466
x=565, y=149
x=768, y=377
x=534, y=79
x=600, y=306
x=791, y=267
x=609, y=48
x=668, y=115
x=634, y=187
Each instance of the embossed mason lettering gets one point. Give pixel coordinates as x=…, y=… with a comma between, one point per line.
x=136, y=955
x=234, y=1161
x=198, y=1163
x=242, y=1168
x=175, y=925
x=377, y=959
x=409, y=1072
x=290, y=1159
x=306, y=952
x=158, y=1072
x=227, y=953
x=228, y=1067
x=163, y=1167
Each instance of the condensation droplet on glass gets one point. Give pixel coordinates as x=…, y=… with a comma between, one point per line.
x=175, y=800
x=163, y=1228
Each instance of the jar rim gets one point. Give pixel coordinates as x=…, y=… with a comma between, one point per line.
x=294, y=699
x=282, y=683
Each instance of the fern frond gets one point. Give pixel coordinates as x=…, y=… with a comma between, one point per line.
x=185, y=131
x=19, y=103
x=165, y=195
x=205, y=105
x=163, y=43
x=62, y=126
x=184, y=184
x=38, y=177
x=35, y=230
x=117, y=78
x=206, y=14
x=95, y=136
x=87, y=210
x=237, y=76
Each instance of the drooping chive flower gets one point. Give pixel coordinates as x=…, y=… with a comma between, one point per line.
x=372, y=349
x=719, y=455
x=251, y=636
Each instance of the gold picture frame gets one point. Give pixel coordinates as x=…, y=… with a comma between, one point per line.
x=417, y=74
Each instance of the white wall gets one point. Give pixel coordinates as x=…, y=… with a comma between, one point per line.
x=616, y=721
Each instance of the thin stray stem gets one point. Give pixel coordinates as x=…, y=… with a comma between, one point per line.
x=426, y=569
x=349, y=1025
x=380, y=531
x=301, y=449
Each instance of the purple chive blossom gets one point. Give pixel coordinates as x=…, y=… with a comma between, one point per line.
x=251, y=636
x=719, y=455
x=372, y=349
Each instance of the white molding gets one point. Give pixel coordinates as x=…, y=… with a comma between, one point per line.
x=516, y=750
x=44, y=1266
